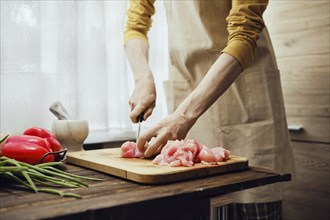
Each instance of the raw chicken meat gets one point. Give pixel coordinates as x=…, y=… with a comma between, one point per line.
x=213, y=155
x=181, y=153
x=187, y=152
x=129, y=150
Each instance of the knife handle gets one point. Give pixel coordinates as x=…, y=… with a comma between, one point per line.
x=140, y=117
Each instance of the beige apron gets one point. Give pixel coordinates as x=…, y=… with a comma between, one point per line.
x=249, y=118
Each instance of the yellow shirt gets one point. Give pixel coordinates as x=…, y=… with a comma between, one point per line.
x=244, y=24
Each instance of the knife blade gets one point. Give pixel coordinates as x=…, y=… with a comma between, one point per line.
x=140, y=119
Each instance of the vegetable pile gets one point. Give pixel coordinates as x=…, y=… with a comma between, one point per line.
x=36, y=145
x=35, y=177
x=31, y=159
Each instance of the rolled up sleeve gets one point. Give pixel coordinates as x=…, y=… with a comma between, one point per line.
x=245, y=23
x=139, y=19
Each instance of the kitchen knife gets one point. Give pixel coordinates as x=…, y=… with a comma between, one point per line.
x=140, y=119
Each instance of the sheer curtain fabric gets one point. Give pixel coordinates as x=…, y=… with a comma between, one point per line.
x=73, y=52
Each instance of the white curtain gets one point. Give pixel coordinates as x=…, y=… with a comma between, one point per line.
x=73, y=52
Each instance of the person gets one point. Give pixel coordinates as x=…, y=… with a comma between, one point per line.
x=223, y=89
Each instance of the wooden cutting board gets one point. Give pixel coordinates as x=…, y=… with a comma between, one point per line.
x=143, y=171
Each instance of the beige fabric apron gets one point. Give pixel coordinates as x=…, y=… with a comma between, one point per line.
x=249, y=118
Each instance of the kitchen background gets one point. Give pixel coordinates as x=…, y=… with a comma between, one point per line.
x=300, y=33
x=72, y=51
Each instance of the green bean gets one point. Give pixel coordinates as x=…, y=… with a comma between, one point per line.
x=12, y=169
x=55, y=183
x=3, y=163
x=29, y=180
x=11, y=161
x=70, y=174
x=52, y=178
x=27, y=177
x=59, y=192
x=58, y=174
x=50, y=184
x=55, y=180
x=62, y=175
x=31, y=176
x=48, y=164
x=45, y=171
x=4, y=158
x=12, y=176
x=54, y=191
x=72, y=195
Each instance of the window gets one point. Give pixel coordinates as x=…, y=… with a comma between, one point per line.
x=73, y=52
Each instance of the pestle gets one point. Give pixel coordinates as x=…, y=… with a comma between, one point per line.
x=59, y=111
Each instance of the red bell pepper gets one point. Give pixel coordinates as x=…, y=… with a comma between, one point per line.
x=28, y=149
x=55, y=145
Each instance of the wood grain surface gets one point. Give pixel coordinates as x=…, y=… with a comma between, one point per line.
x=118, y=199
x=143, y=171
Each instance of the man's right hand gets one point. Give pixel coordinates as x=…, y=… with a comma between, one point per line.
x=143, y=99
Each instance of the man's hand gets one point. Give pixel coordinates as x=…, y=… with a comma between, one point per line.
x=173, y=127
x=143, y=99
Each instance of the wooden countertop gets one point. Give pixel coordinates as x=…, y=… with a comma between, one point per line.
x=116, y=198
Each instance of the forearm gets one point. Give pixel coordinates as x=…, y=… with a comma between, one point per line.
x=137, y=54
x=218, y=79
x=143, y=98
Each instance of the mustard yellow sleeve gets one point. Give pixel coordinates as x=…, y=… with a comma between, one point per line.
x=139, y=19
x=245, y=23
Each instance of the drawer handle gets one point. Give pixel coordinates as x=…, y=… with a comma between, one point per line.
x=295, y=128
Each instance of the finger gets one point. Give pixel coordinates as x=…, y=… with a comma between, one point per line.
x=148, y=112
x=142, y=143
x=145, y=138
x=136, y=112
x=131, y=104
x=154, y=145
x=159, y=149
x=132, y=114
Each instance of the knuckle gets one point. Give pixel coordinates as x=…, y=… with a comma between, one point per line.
x=143, y=138
x=174, y=136
x=152, y=97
